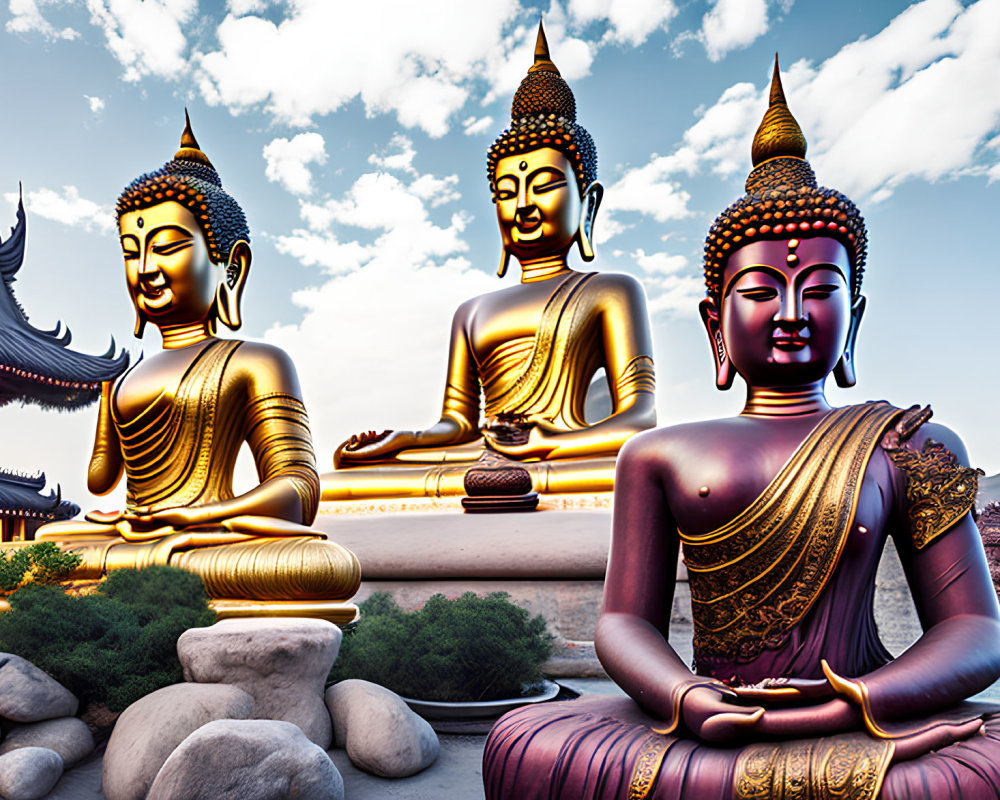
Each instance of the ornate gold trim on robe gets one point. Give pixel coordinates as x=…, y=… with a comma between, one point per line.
x=753, y=579
x=849, y=766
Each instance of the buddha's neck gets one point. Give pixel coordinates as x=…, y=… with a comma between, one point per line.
x=794, y=401
x=175, y=336
x=542, y=268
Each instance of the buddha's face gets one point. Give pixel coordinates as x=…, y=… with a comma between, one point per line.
x=538, y=205
x=170, y=276
x=786, y=310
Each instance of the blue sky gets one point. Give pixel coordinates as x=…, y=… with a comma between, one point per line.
x=354, y=135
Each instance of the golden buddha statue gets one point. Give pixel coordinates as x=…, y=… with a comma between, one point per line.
x=175, y=422
x=531, y=351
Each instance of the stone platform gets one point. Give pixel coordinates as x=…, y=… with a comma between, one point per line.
x=551, y=562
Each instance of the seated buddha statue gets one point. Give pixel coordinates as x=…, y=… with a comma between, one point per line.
x=783, y=512
x=174, y=423
x=528, y=352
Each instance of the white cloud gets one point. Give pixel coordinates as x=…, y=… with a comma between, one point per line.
x=398, y=155
x=436, y=191
x=315, y=59
x=68, y=208
x=288, y=160
x=914, y=101
x=669, y=285
x=648, y=190
x=241, y=7
x=146, y=36
x=473, y=126
x=674, y=294
x=731, y=25
x=659, y=263
x=629, y=21
x=96, y=104
x=395, y=277
x=26, y=17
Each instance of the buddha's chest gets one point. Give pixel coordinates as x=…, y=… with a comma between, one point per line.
x=152, y=380
x=504, y=320
x=523, y=315
x=720, y=485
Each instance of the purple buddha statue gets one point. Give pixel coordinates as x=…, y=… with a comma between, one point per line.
x=783, y=513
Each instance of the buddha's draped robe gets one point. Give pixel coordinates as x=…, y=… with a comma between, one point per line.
x=547, y=376
x=544, y=377
x=771, y=596
x=180, y=451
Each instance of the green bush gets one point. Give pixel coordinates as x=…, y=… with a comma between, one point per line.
x=41, y=563
x=114, y=646
x=471, y=648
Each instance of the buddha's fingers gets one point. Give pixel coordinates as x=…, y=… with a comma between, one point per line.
x=730, y=726
x=934, y=739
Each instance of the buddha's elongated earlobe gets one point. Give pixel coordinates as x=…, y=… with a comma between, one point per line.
x=844, y=372
x=724, y=373
x=140, y=324
x=592, y=197
x=230, y=292
x=504, y=262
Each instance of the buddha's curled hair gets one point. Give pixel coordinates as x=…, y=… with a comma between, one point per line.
x=191, y=180
x=543, y=114
x=783, y=200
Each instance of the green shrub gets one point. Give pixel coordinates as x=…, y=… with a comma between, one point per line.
x=471, y=648
x=114, y=646
x=41, y=563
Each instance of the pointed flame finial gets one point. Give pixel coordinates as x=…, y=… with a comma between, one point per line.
x=543, y=61
x=190, y=151
x=779, y=134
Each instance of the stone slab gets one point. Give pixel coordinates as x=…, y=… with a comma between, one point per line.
x=443, y=545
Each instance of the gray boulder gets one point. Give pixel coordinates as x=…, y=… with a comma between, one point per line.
x=281, y=663
x=28, y=695
x=379, y=731
x=29, y=773
x=68, y=736
x=150, y=729
x=248, y=760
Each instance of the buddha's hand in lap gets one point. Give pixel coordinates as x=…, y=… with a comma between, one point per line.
x=778, y=691
x=369, y=445
x=715, y=715
x=533, y=440
x=142, y=520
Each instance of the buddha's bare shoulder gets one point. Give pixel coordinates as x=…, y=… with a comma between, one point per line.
x=267, y=368
x=619, y=286
x=675, y=447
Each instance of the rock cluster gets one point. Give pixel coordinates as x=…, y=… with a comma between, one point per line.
x=45, y=738
x=252, y=721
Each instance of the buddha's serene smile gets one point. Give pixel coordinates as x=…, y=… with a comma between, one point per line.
x=175, y=422
x=530, y=351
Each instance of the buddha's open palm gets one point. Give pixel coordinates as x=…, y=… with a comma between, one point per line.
x=369, y=445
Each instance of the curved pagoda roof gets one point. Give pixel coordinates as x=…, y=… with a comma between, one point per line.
x=21, y=496
x=38, y=366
